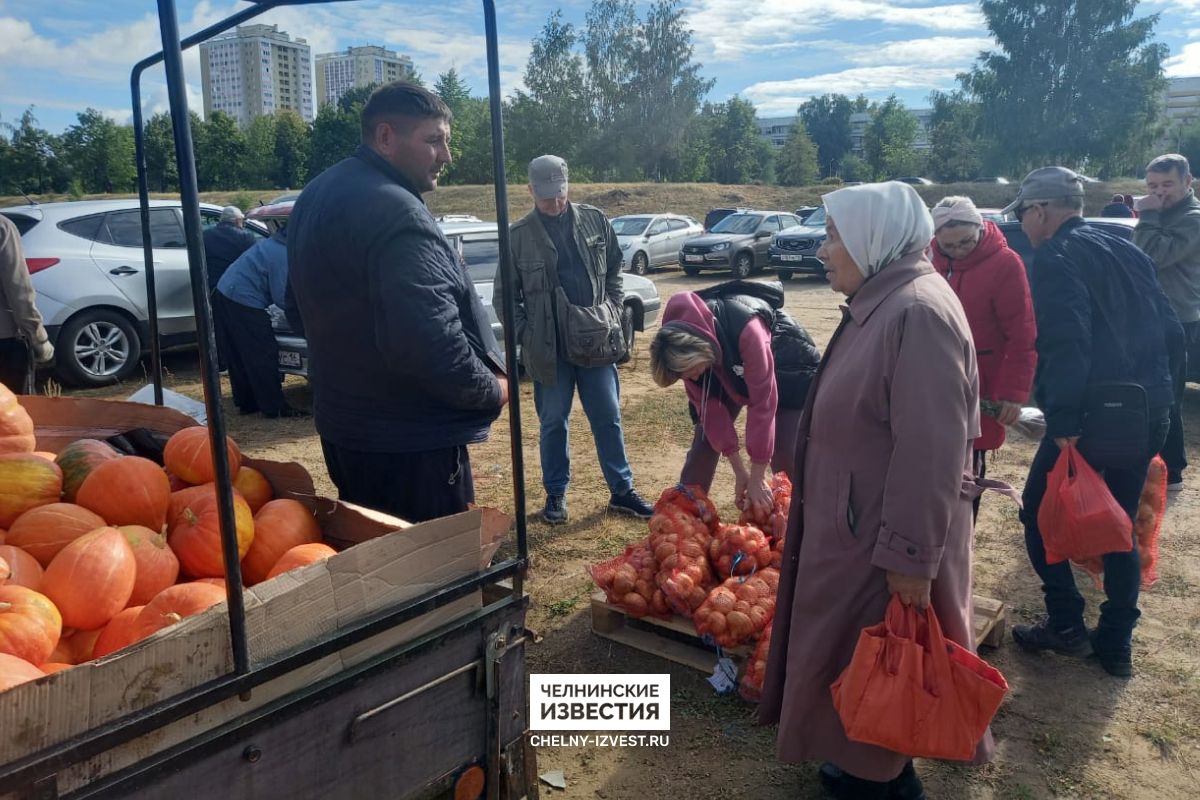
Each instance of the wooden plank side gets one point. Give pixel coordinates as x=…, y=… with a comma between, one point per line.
x=674, y=639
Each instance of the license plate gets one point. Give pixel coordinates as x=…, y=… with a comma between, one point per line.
x=289, y=358
x=791, y=258
x=693, y=258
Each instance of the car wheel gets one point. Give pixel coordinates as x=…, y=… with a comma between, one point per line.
x=628, y=331
x=640, y=265
x=97, y=348
x=691, y=272
x=743, y=265
x=785, y=275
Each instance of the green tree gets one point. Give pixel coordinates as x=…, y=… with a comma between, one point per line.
x=1188, y=144
x=956, y=146
x=889, y=139
x=739, y=154
x=455, y=94
x=258, y=156
x=827, y=120
x=220, y=151
x=34, y=163
x=1070, y=83
x=291, y=149
x=855, y=168
x=796, y=161
x=100, y=153
x=162, y=174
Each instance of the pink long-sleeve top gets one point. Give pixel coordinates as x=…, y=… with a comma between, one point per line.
x=713, y=396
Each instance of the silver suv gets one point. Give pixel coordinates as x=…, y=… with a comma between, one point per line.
x=88, y=271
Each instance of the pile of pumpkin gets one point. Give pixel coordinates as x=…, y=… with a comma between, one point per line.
x=722, y=577
x=99, y=550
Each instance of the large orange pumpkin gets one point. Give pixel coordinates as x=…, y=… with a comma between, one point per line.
x=121, y=631
x=189, y=455
x=16, y=426
x=92, y=578
x=26, y=481
x=78, y=459
x=194, y=533
x=76, y=647
x=44, y=531
x=253, y=486
x=51, y=667
x=157, y=566
x=129, y=490
x=29, y=624
x=278, y=527
x=173, y=604
x=15, y=671
x=23, y=569
x=301, y=556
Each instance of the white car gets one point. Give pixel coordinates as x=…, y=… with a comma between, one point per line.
x=88, y=270
x=652, y=240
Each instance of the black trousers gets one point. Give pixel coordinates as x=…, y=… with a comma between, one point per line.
x=1173, y=451
x=412, y=486
x=252, y=358
x=16, y=366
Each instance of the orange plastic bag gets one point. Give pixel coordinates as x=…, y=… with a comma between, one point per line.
x=1146, y=528
x=909, y=689
x=1079, y=518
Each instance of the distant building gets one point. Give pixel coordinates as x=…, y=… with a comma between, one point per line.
x=1181, y=108
x=254, y=71
x=337, y=73
x=776, y=129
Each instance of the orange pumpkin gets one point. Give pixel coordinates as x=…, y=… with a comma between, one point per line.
x=24, y=569
x=30, y=625
x=278, y=527
x=92, y=578
x=157, y=566
x=301, y=556
x=214, y=581
x=5, y=571
x=173, y=604
x=194, y=533
x=253, y=486
x=129, y=490
x=3, y=535
x=177, y=482
x=121, y=631
x=80, y=645
x=16, y=426
x=189, y=455
x=15, y=671
x=26, y=482
x=78, y=459
x=44, y=531
x=51, y=667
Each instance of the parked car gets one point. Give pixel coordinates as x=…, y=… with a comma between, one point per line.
x=795, y=250
x=479, y=245
x=991, y=179
x=652, y=240
x=88, y=266
x=911, y=181
x=717, y=214
x=804, y=212
x=737, y=243
x=993, y=214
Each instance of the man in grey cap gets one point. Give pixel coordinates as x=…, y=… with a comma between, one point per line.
x=1102, y=320
x=223, y=243
x=568, y=322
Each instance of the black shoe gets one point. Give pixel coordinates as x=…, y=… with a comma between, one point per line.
x=1070, y=642
x=843, y=786
x=1116, y=661
x=906, y=786
x=631, y=503
x=555, y=512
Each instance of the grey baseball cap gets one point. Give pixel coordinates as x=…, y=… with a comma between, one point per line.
x=548, y=177
x=1047, y=183
x=230, y=213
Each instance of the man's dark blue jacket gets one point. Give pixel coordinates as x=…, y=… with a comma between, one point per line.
x=397, y=337
x=223, y=243
x=1101, y=317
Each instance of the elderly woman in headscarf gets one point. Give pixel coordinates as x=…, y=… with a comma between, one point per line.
x=989, y=279
x=884, y=491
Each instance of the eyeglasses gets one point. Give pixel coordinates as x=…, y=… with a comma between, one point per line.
x=1020, y=212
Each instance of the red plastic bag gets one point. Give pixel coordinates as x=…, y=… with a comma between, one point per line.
x=1146, y=528
x=1079, y=518
x=909, y=689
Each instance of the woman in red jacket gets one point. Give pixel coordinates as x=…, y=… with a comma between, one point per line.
x=989, y=279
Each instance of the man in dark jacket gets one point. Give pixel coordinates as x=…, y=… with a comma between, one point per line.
x=567, y=253
x=1168, y=231
x=403, y=364
x=1101, y=318
x=1117, y=208
x=223, y=243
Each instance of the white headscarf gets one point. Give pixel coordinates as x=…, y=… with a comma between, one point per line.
x=955, y=209
x=879, y=222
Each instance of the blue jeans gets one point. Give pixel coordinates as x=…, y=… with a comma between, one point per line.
x=1122, y=571
x=600, y=394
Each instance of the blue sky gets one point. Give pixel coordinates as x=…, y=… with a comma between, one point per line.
x=62, y=56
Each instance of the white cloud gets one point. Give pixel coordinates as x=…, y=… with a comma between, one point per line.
x=20, y=45
x=934, y=50
x=782, y=97
x=1186, y=62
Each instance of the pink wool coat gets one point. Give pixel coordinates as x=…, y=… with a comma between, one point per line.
x=884, y=455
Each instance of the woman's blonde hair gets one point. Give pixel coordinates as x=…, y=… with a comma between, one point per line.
x=674, y=351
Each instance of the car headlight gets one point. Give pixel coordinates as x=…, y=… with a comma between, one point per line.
x=625, y=245
x=721, y=246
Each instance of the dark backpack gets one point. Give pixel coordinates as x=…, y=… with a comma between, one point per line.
x=734, y=304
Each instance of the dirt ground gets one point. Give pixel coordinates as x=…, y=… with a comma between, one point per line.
x=1067, y=730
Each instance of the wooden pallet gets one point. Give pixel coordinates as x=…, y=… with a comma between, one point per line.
x=675, y=639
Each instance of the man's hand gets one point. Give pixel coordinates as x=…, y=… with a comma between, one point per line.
x=43, y=352
x=758, y=496
x=1064, y=441
x=503, y=381
x=1009, y=413
x=1150, y=202
x=913, y=590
